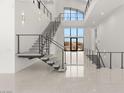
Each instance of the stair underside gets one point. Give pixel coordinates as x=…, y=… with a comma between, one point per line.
x=95, y=60
x=29, y=55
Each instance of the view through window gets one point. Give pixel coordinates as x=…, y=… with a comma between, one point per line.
x=73, y=14
x=74, y=39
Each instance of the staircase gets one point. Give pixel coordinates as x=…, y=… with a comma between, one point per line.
x=95, y=57
x=41, y=47
x=96, y=60
x=49, y=32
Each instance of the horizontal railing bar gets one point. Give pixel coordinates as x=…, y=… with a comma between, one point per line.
x=45, y=6
x=37, y=35
x=110, y=52
x=28, y=34
x=55, y=41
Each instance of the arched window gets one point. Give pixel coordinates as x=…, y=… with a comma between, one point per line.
x=71, y=14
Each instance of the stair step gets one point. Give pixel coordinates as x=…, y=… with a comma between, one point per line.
x=44, y=58
x=62, y=70
x=50, y=62
x=56, y=66
x=37, y=48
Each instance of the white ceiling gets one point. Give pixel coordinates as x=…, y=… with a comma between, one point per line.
x=84, y=1
x=101, y=10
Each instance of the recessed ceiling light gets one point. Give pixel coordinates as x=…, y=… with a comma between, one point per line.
x=102, y=13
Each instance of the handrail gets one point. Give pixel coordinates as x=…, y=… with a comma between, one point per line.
x=59, y=46
x=88, y=52
x=40, y=37
x=110, y=53
x=100, y=56
x=46, y=36
x=55, y=42
x=91, y=52
x=45, y=8
x=87, y=6
x=51, y=40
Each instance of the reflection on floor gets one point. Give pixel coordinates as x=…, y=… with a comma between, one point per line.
x=75, y=64
x=75, y=71
x=75, y=58
x=40, y=78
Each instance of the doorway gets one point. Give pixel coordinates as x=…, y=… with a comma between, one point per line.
x=74, y=46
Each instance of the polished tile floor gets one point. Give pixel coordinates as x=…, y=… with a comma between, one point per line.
x=40, y=78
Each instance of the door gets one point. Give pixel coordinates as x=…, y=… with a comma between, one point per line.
x=73, y=44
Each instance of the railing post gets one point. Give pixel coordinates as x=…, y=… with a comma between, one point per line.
x=18, y=51
x=122, y=61
x=97, y=60
x=50, y=16
x=62, y=59
x=92, y=57
x=65, y=57
x=49, y=44
x=39, y=43
x=47, y=13
x=53, y=30
x=70, y=16
x=59, y=19
x=110, y=60
x=44, y=9
x=55, y=24
x=55, y=27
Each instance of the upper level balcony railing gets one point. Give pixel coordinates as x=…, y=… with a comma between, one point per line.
x=87, y=6
x=40, y=5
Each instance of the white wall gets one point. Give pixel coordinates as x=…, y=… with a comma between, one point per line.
x=111, y=36
x=35, y=23
x=89, y=38
x=60, y=4
x=7, y=62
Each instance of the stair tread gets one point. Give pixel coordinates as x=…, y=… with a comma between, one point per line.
x=56, y=65
x=50, y=62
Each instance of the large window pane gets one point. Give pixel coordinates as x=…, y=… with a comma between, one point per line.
x=67, y=14
x=80, y=44
x=73, y=32
x=67, y=32
x=73, y=15
x=80, y=16
x=73, y=44
x=80, y=32
x=74, y=36
x=67, y=44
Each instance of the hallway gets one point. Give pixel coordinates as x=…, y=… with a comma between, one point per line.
x=40, y=78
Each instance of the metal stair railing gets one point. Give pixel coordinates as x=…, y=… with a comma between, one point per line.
x=59, y=46
x=100, y=57
x=45, y=9
x=110, y=58
x=41, y=37
x=87, y=6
